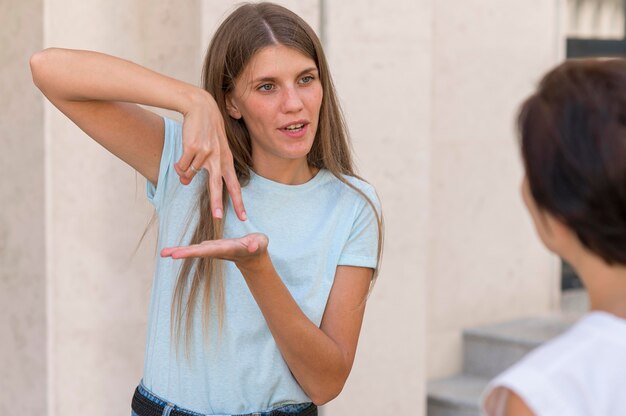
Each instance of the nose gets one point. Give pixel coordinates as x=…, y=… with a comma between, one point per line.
x=292, y=102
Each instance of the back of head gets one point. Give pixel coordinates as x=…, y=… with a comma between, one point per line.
x=573, y=141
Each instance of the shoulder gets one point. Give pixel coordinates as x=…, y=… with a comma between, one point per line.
x=173, y=140
x=556, y=376
x=357, y=187
x=360, y=184
x=173, y=130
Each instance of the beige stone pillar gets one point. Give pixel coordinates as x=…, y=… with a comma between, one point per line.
x=22, y=201
x=98, y=286
x=380, y=57
x=485, y=263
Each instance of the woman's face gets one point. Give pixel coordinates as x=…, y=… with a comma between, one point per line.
x=278, y=96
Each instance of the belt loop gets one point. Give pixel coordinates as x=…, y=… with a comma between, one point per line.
x=167, y=409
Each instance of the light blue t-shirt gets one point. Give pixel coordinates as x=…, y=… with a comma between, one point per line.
x=312, y=228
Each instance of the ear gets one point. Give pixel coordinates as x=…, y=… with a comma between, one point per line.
x=231, y=108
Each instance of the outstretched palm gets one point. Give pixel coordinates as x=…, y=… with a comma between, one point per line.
x=232, y=249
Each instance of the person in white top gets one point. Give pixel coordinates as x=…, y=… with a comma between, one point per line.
x=573, y=144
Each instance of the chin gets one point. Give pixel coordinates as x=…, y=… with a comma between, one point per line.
x=295, y=156
x=297, y=151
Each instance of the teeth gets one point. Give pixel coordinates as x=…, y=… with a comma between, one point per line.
x=294, y=127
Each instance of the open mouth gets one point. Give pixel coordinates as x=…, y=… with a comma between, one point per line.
x=294, y=128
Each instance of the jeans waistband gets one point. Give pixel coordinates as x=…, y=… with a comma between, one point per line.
x=146, y=403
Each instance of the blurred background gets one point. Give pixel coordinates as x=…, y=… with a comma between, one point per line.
x=430, y=89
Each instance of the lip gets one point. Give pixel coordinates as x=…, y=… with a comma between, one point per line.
x=295, y=134
x=284, y=126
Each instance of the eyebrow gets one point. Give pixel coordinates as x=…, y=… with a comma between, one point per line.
x=272, y=79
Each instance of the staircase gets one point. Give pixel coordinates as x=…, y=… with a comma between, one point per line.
x=489, y=350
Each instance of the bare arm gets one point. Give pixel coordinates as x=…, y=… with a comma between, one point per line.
x=319, y=358
x=515, y=406
x=99, y=93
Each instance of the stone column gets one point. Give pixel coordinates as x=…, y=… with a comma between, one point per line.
x=22, y=211
x=98, y=285
x=485, y=262
x=380, y=55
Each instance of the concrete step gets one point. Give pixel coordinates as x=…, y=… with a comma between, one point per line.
x=455, y=396
x=491, y=349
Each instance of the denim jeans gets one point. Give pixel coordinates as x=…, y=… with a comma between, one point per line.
x=290, y=408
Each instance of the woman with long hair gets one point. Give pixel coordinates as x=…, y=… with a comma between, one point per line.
x=269, y=241
x=573, y=143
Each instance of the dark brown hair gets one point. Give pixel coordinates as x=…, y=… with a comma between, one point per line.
x=573, y=142
x=250, y=28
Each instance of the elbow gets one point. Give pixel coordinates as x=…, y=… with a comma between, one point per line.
x=327, y=392
x=322, y=400
x=38, y=64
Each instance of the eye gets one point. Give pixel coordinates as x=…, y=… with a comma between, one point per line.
x=307, y=79
x=266, y=87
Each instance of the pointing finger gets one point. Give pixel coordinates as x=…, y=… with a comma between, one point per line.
x=215, y=188
x=234, y=190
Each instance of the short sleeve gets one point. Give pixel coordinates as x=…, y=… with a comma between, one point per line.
x=172, y=149
x=361, y=248
x=539, y=394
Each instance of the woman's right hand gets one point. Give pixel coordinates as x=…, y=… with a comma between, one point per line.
x=205, y=147
x=100, y=95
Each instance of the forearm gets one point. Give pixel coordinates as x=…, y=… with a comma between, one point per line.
x=316, y=361
x=74, y=75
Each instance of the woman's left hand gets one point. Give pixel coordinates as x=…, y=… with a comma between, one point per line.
x=244, y=252
x=319, y=356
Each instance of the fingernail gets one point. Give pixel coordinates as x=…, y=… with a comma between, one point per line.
x=244, y=216
x=218, y=213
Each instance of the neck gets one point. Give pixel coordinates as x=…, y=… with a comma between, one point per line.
x=605, y=284
x=288, y=172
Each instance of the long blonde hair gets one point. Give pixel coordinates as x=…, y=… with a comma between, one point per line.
x=250, y=28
